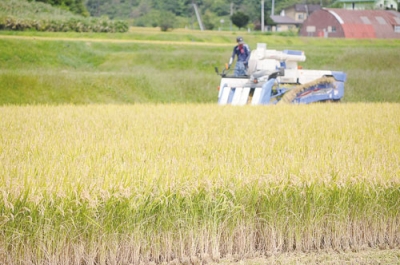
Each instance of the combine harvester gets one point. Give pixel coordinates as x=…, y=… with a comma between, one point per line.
x=274, y=77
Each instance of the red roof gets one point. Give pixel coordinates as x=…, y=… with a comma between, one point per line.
x=358, y=31
x=367, y=23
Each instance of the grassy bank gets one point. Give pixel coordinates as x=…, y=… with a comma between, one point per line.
x=151, y=66
x=162, y=183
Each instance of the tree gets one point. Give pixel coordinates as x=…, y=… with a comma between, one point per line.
x=240, y=19
x=207, y=20
x=167, y=20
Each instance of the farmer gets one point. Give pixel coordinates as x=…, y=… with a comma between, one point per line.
x=242, y=51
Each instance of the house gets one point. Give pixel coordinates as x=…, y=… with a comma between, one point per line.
x=368, y=4
x=292, y=17
x=343, y=23
x=284, y=23
x=300, y=12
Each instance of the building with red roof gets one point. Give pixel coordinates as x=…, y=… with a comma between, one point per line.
x=343, y=23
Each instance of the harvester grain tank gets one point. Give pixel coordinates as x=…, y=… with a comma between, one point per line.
x=275, y=77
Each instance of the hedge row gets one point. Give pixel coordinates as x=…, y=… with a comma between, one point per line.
x=64, y=25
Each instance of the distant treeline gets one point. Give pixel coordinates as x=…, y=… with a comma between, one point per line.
x=147, y=12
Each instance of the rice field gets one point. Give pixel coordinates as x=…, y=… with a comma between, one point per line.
x=196, y=183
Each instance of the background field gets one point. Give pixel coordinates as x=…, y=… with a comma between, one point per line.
x=151, y=66
x=114, y=151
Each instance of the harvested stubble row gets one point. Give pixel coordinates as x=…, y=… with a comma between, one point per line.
x=118, y=184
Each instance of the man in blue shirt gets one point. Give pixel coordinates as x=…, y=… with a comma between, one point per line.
x=242, y=51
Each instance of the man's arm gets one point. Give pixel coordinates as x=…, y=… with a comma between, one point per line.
x=246, y=62
x=232, y=57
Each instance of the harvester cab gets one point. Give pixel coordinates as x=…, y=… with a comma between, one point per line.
x=275, y=77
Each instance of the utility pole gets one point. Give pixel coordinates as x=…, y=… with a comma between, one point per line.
x=231, y=14
x=273, y=7
x=262, y=16
x=198, y=16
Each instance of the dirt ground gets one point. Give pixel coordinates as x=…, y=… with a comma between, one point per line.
x=365, y=257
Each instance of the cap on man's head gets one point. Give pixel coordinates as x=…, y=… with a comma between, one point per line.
x=239, y=40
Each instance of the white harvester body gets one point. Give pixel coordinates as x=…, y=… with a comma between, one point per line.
x=275, y=75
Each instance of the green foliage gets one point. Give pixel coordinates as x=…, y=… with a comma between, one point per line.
x=57, y=25
x=166, y=20
x=114, y=10
x=139, y=10
x=32, y=10
x=268, y=21
x=207, y=21
x=75, y=6
x=150, y=19
x=177, y=7
x=21, y=16
x=146, y=13
x=220, y=7
x=239, y=19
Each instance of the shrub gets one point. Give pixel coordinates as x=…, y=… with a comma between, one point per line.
x=167, y=21
x=21, y=16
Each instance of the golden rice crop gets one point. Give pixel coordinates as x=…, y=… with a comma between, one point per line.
x=120, y=184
